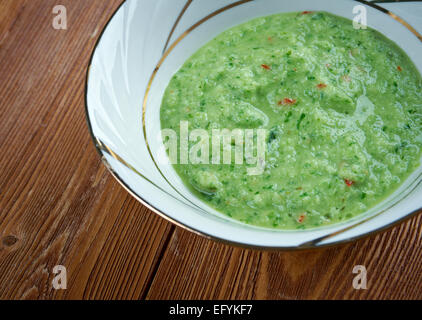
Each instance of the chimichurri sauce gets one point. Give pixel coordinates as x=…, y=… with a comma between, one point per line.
x=342, y=107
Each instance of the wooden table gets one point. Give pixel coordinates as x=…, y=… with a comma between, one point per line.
x=60, y=206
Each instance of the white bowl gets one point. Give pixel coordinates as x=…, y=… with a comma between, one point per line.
x=142, y=46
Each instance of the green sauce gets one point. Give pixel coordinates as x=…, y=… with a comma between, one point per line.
x=342, y=107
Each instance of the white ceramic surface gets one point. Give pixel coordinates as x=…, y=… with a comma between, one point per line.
x=122, y=66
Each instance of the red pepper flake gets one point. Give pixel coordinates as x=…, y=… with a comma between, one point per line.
x=294, y=69
x=266, y=67
x=321, y=85
x=270, y=39
x=307, y=12
x=301, y=218
x=399, y=68
x=287, y=101
x=348, y=182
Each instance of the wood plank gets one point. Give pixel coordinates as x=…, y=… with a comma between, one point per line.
x=58, y=204
x=196, y=268
x=9, y=12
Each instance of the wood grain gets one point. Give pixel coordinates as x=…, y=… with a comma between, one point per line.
x=58, y=203
x=193, y=268
x=60, y=206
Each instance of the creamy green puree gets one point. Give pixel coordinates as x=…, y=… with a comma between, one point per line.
x=343, y=110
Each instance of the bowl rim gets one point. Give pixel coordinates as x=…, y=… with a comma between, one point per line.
x=103, y=149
